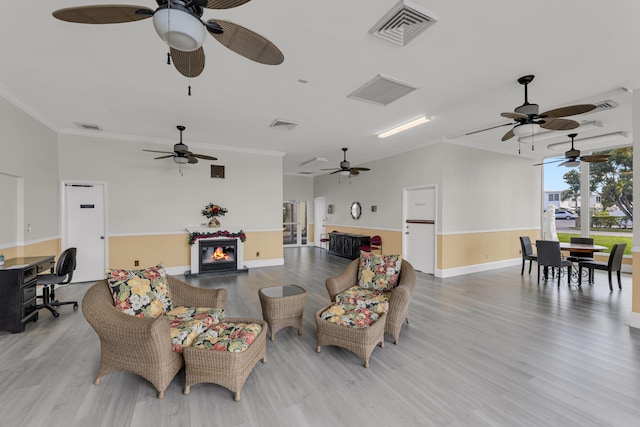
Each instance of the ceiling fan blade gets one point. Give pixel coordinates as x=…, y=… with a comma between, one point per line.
x=189, y=64
x=492, y=127
x=515, y=116
x=164, y=157
x=247, y=43
x=156, y=151
x=508, y=135
x=225, y=4
x=338, y=171
x=192, y=160
x=204, y=157
x=330, y=169
x=595, y=158
x=354, y=171
x=360, y=169
x=570, y=110
x=553, y=161
x=103, y=14
x=559, y=124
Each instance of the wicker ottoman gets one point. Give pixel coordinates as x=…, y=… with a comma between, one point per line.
x=283, y=306
x=226, y=368
x=361, y=341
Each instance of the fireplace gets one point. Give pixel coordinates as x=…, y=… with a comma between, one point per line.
x=217, y=255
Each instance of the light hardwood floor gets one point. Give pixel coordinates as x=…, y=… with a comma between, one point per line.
x=488, y=349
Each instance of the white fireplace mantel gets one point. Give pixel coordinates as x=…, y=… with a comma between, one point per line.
x=195, y=266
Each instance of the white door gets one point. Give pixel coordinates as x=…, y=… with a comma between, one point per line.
x=319, y=219
x=419, y=238
x=85, y=229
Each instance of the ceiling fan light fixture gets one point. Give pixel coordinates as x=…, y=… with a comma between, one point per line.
x=179, y=29
x=526, y=129
x=181, y=160
x=345, y=173
x=571, y=164
x=406, y=126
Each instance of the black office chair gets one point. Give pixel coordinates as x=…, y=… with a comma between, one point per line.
x=580, y=256
x=614, y=264
x=549, y=256
x=527, y=253
x=64, y=272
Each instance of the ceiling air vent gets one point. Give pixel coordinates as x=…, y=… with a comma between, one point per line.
x=382, y=90
x=87, y=126
x=603, y=106
x=403, y=23
x=283, y=124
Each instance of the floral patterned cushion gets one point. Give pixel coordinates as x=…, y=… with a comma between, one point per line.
x=187, y=323
x=140, y=293
x=350, y=316
x=379, y=272
x=229, y=336
x=378, y=301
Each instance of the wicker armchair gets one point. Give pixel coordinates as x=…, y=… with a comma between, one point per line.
x=142, y=346
x=400, y=296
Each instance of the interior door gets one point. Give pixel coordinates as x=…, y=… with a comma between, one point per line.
x=85, y=229
x=419, y=238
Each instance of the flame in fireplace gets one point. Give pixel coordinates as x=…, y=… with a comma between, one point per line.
x=219, y=255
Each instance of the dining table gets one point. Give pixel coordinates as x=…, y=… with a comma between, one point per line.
x=581, y=247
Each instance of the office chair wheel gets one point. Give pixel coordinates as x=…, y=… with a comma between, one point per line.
x=56, y=314
x=35, y=318
x=75, y=306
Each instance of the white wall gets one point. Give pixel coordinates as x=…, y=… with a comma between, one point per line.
x=298, y=187
x=28, y=151
x=150, y=196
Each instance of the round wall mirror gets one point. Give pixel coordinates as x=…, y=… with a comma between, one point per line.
x=356, y=210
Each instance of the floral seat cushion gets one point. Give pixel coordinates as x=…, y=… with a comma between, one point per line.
x=375, y=300
x=187, y=323
x=229, y=336
x=350, y=316
x=140, y=293
x=379, y=272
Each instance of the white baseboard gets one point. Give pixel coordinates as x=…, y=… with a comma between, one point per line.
x=634, y=320
x=477, y=268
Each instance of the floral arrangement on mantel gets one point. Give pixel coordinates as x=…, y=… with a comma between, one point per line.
x=193, y=237
x=212, y=211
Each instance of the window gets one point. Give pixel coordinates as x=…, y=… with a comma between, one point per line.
x=554, y=197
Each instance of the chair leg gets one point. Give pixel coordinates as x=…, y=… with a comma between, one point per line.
x=569, y=269
x=522, y=271
x=619, y=281
x=579, y=276
x=530, y=263
x=538, y=274
x=610, y=286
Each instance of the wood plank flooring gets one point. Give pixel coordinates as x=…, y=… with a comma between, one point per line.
x=488, y=349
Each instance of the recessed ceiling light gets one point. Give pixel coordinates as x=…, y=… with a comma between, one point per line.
x=402, y=128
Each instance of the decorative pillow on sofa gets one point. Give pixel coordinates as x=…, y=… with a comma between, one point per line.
x=140, y=293
x=379, y=272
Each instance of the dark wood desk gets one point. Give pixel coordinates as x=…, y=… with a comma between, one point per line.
x=346, y=245
x=18, y=290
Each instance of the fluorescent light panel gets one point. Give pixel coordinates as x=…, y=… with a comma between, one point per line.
x=555, y=133
x=402, y=128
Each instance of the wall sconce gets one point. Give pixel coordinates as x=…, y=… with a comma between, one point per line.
x=330, y=209
x=374, y=208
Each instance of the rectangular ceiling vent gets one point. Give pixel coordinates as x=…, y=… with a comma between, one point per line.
x=283, y=124
x=305, y=173
x=382, y=90
x=603, y=106
x=88, y=126
x=403, y=23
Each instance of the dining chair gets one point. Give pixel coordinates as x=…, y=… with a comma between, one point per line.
x=614, y=264
x=580, y=256
x=375, y=244
x=324, y=241
x=527, y=253
x=549, y=256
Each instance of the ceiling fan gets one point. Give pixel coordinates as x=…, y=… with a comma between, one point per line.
x=181, y=153
x=572, y=157
x=345, y=167
x=528, y=121
x=179, y=24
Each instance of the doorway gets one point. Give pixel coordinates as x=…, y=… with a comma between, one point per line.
x=319, y=219
x=294, y=223
x=419, y=227
x=85, y=228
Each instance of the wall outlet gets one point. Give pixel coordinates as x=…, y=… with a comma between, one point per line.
x=257, y=254
x=136, y=263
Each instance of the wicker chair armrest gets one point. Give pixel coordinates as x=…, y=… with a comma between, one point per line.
x=345, y=280
x=407, y=277
x=191, y=296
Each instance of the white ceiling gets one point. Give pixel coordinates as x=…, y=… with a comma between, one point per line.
x=466, y=67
